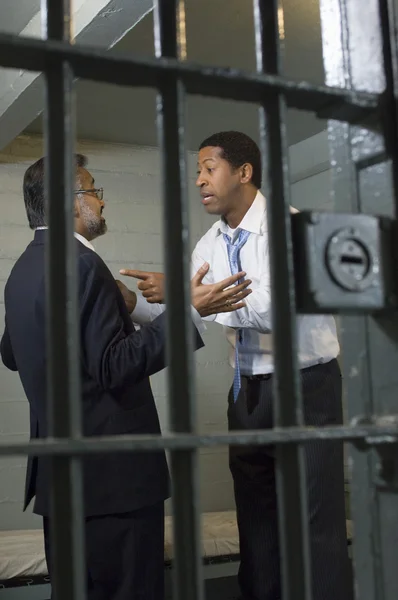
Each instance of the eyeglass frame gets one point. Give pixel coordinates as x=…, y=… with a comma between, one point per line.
x=99, y=192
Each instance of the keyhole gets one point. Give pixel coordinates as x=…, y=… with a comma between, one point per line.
x=352, y=260
x=348, y=260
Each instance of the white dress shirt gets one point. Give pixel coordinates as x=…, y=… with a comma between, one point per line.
x=317, y=337
x=84, y=241
x=77, y=236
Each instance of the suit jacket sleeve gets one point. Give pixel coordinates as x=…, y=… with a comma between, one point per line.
x=7, y=355
x=112, y=353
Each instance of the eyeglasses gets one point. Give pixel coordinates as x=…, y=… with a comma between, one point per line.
x=99, y=192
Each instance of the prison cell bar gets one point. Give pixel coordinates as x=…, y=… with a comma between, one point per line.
x=387, y=13
x=63, y=370
x=187, y=578
x=363, y=435
x=354, y=331
x=385, y=565
x=287, y=401
x=98, y=65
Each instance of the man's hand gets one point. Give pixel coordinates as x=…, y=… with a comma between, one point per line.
x=129, y=297
x=151, y=285
x=214, y=298
x=208, y=299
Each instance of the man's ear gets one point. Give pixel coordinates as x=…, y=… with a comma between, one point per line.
x=76, y=209
x=246, y=173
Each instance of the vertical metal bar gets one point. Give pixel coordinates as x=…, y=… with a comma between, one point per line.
x=388, y=506
x=388, y=22
x=184, y=464
x=354, y=329
x=288, y=408
x=63, y=370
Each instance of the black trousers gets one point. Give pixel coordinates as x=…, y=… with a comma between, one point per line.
x=253, y=471
x=124, y=555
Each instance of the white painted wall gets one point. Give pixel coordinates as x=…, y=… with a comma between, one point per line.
x=310, y=174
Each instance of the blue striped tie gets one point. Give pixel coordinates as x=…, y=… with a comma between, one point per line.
x=234, y=263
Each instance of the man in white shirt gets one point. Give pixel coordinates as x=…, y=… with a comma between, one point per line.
x=229, y=178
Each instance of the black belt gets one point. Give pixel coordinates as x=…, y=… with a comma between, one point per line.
x=267, y=376
x=263, y=377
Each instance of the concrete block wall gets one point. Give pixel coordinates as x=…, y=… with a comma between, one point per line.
x=132, y=190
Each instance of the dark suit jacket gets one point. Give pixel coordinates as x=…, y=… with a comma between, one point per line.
x=116, y=362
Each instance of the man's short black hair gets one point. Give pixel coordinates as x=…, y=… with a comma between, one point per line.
x=33, y=191
x=238, y=149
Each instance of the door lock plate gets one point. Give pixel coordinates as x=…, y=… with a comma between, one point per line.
x=344, y=262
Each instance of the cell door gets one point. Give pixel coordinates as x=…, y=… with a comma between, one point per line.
x=347, y=263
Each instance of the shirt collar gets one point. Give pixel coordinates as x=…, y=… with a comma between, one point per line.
x=253, y=219
x=77, y=236
x=84, y=241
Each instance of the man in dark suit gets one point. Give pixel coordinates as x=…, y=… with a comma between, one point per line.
x=123, y=493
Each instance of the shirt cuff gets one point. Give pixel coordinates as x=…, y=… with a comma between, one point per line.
x=210, y=318
x=197, y=319
x=144, y=312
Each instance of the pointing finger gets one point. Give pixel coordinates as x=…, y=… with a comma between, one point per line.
x=136, y=274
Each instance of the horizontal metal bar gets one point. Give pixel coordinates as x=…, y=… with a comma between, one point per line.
x=368, y=434
x=99, y=65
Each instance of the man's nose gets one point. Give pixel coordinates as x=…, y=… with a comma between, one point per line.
x=200, y=180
